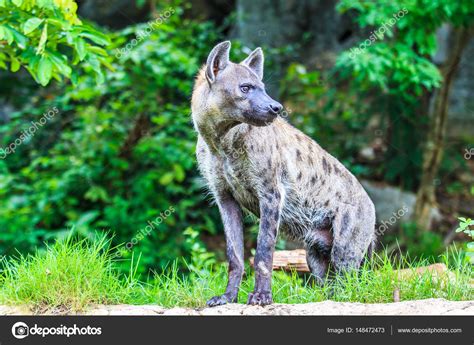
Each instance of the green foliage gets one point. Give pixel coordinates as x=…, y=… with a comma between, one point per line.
x=49, y=40
x=117, y=154
x=393, y=69
x=466, y=225
x=334, y=120
x=201, y=258
x=419, y=243
x=398, y=63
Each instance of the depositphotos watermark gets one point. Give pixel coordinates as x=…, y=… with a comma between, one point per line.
x=469, y=153
x=21, y=330
x=28, y=133
x=382, y=228
x=142, y=34
x=146, y=231
x=284, y=113
x=378, y=33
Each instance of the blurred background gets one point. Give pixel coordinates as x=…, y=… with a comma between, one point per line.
x=96, y=133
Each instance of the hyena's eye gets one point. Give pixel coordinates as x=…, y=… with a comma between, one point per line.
x=245, y=88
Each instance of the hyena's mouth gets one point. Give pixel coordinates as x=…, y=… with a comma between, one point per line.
x=259, y=120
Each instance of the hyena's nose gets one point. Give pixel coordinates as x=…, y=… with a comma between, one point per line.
x=275, y=107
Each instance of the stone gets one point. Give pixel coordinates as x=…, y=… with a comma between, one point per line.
x=393, y=205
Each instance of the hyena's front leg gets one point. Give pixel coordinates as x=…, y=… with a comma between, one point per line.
x=270, y=209
x=231, y=215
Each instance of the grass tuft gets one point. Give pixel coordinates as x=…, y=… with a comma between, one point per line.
x=67, y=276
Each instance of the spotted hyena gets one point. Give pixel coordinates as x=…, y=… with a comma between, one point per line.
x=253, y=160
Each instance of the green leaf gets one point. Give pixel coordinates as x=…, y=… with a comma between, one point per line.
x=86, y=218
x=15, y=64
x=166, y=178
x=179, y=172
x=99, y=77
x=43, y=39
x=17, y=2
x=74, y=77
x=96, y=193
x=61, y=24
x=31, y=24
x=97, y=50
x=80, y=46
x=45, y=70
x=19, y=38
x=96, y=37
x=60, y=62
x=6, y=33
x=95, y=63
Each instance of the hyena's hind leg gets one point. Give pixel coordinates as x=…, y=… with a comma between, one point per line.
x=318, y=254
x=353, y=237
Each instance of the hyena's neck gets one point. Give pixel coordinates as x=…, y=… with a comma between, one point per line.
x=213, y=130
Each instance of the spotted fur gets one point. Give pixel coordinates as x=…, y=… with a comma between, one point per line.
x=278, y=174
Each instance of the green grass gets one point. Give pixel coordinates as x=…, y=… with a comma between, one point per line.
x=70, y=275
x=67, y=276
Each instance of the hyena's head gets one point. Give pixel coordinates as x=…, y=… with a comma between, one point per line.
x=235, y=90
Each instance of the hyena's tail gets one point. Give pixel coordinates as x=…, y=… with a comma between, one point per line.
x=370, y=253
x=371, y=249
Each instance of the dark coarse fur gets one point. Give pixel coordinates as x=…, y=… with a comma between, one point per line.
x=254, y=160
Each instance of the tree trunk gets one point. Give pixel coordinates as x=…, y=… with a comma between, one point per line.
x=433, y=151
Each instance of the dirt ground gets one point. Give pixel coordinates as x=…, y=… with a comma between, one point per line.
x=420, y=307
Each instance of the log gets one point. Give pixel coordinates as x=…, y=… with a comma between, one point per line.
x=288, y=260
x=437, y=271
x=295, y=260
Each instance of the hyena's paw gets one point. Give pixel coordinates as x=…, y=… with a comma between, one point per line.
x=221, y=300
x=260, y=298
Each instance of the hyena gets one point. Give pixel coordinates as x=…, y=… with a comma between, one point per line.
x=252, y=159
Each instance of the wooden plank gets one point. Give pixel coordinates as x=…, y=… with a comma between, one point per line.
x=288, y=260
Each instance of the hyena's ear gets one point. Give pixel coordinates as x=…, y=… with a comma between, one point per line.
x=255, y=62
x=217, y=60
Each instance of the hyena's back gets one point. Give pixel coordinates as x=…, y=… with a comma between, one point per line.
x=323, y=204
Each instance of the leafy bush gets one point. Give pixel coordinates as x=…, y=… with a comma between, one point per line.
x=467, y=226
x=393, y=69
x=48, y=39
x=117, y=154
